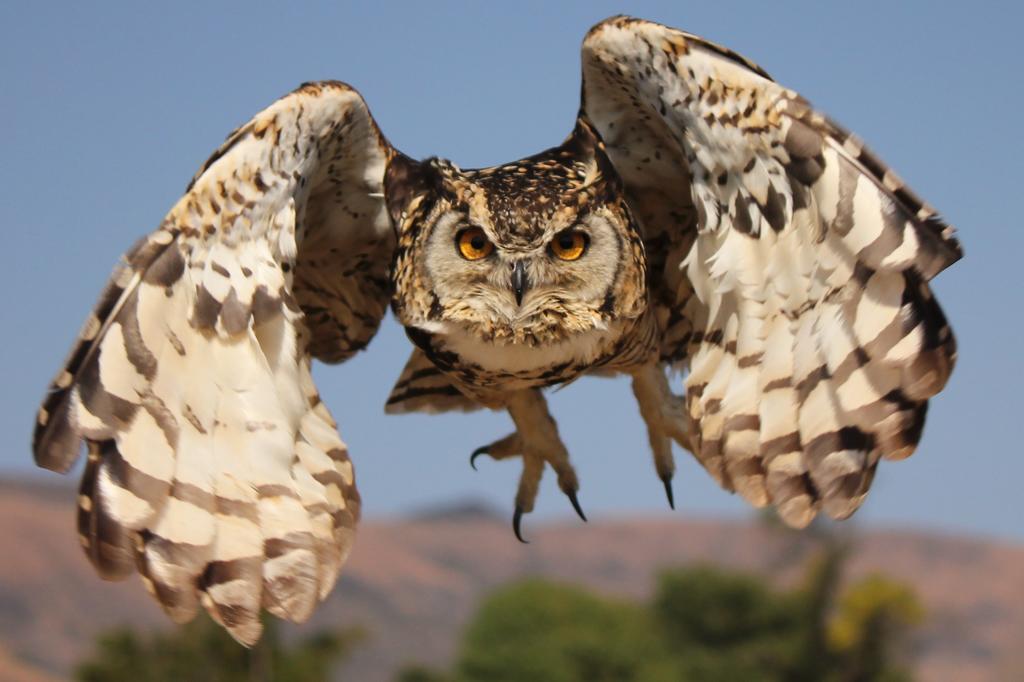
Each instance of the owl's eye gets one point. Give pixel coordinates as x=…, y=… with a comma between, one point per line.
x=473, y=244
x=569, y=245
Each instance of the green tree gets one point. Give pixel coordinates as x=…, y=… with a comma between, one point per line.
x=203, y=652
x=870, y=628
x=703, y=624
x=816, y=660
x=554, y=633
x=729, y=626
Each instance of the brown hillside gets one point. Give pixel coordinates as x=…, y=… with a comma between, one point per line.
x=414, y=583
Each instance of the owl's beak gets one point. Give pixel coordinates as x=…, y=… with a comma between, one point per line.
x=519, y=282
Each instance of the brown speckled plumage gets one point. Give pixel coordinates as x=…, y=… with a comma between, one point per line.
x=522, y=206
x=699, y=217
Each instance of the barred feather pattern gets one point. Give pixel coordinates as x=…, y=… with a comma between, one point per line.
x=792, y=268
x=214, y=470
x=422, y=387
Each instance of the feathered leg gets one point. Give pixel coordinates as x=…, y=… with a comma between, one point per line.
x=536, y=440
x=665, y=415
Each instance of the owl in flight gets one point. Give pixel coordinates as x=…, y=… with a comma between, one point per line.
x=699, y=217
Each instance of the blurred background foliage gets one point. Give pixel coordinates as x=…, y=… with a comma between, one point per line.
x=702, y=623
x=202, y=651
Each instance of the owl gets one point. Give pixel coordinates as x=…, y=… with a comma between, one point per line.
x=701, y=225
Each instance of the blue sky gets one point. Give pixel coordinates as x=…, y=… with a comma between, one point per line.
x=109, y=108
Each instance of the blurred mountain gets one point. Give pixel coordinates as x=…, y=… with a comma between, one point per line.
x=414, y=583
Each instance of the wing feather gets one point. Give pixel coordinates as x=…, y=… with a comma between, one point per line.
x=213, y=467
x=812, y=339
x=422, y=387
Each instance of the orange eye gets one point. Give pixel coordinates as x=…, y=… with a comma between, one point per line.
x=569, y=245
x=473, y=244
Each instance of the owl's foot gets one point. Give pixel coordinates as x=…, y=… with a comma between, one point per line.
x=665, y=414
x=536, y=440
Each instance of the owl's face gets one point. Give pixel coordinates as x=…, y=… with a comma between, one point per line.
x=526, y=253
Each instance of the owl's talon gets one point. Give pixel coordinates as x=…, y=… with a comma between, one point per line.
x=517, y=518
x=571, y=494
x=666, y=419
x=667, y=480
x=536, y=441
x=476, y=453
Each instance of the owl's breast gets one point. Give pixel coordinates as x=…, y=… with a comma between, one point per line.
x=482, y=366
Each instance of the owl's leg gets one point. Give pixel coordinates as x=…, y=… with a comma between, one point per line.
x=529, y=481
x=536, y=440
x=665, y=414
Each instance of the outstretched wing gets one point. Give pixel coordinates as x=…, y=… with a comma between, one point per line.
x=789, y=268
x=213, y=467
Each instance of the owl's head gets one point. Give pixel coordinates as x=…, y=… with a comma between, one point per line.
x=529, y=252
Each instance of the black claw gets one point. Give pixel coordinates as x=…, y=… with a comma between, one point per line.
x=571, y=494
x=667, y=480
x=517, y=517
x=476, y=453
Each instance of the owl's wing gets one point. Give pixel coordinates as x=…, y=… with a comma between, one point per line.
x=213, y=467
x=789, y=268
x=422, y=387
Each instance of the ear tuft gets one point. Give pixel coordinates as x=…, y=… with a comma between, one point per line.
x=589, y=147
x=404, y=180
